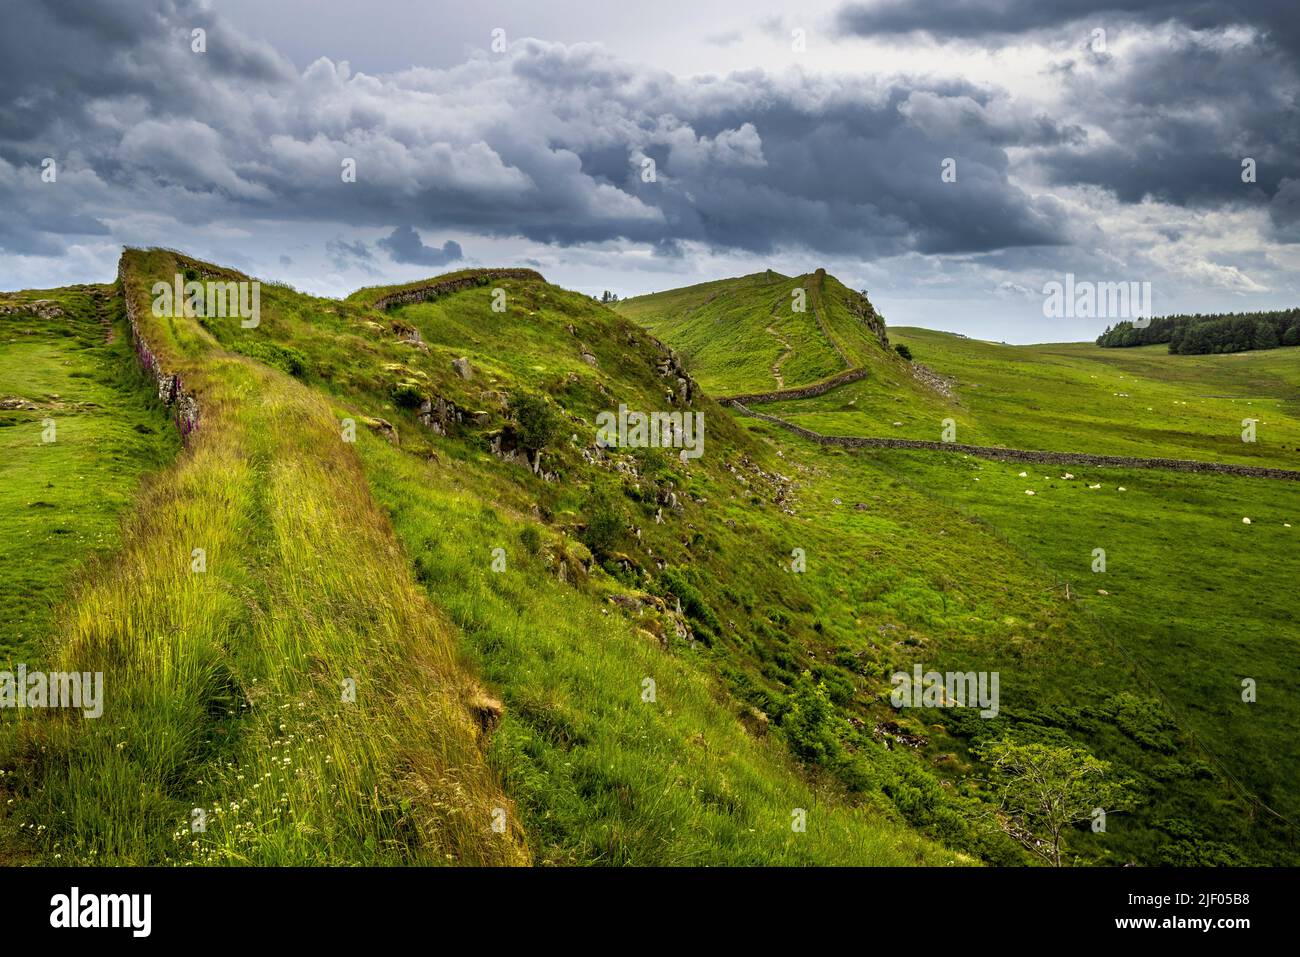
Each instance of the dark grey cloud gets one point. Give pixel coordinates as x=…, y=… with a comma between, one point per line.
x=547, y=142
x=1180, y=119
x=404, y=245
x=346, y=255
x=60, y=59
x=989, y=18
x=1173, y=119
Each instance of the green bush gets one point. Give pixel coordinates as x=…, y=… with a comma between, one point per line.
x=811, y=725
x=531, y=539
x=606, y=525
x=537, y=423
x=903, y=351
x=407, y=395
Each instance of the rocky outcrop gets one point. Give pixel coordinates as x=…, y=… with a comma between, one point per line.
x=41, y=308
x=384, y=429
x=1026, y=455
x=669, y=366
x=440, y=414
x=433, y=290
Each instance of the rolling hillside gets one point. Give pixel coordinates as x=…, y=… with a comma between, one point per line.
x=1194, y=558
x=483, y=697
x=437, y=620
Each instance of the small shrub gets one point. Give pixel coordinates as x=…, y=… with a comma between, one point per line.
x=811, y=725
x=531, y=539
x=903, y=351
x=407, y=395
x=537, y=423
x=693, y=603
x=606, y=525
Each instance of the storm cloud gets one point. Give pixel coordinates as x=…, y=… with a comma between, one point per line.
x=958, y=182
x=558, y=144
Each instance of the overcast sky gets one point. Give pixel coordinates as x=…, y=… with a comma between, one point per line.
x=1102, y=139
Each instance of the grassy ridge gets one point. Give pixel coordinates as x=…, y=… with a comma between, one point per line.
x=223, y=687
x=722, y=331
x=430, y=538
x=595, y=781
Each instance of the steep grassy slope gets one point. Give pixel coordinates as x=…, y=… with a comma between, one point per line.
x=750, y=334
x=900, y=580
x=65, y=363
x=674, y=690
x=567, y=638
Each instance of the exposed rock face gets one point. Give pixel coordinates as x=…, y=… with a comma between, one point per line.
x=669, y=366
x=435, y=289
x=42, y=308
x=463, y=368
x=410, y=335
x=440, y=414
x=863, y=309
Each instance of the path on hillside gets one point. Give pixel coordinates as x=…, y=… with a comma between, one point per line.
x=789, y=351
x=1020, y=455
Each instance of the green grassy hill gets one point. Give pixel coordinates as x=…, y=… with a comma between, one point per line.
x=565, y=653
x=1192, y=601
x=766, y=331
x=374, y=561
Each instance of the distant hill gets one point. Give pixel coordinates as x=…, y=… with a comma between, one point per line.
x=1212, y=333
x=765, y=331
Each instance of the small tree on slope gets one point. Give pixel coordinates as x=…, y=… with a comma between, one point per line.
x=1042, y=790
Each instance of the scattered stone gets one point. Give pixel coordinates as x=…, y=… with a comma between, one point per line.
x=755, y=721
x=462, y=368
x=383, y=428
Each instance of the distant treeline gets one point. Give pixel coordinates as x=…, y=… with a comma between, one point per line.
x=1201, y=334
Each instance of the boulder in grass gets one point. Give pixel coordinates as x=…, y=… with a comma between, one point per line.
x=383, y=428
x=487, y=711
x=462, y=368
